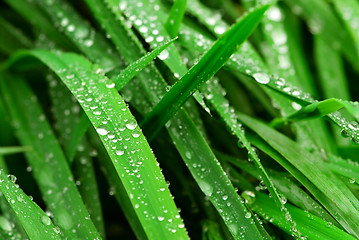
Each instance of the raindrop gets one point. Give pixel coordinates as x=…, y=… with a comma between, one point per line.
x=261, y=78
x=120, y=152
x=163, y=55
x=110, y=85
x=131, y=126
x=45, y=220
x=219, y=29
x=160, y=218
x=102, y=131
x=248, y=215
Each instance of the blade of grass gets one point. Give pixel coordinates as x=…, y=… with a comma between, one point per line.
x=13, y=150
x=311, y=226
x=120, y=81
x=133, y=160
x=209, y=64
x=35, y=222
x=312, y=166
x=66, y=113
x=47, y=161
x=187, y=146
x=175, y=17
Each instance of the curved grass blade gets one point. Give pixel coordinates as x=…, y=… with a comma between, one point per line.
x=311, y=226
x=189, y=146
x=312, y=167
x=120, y=81
x=35, y=222
x=51, y=173
x=209, y=64
x=227, y=113
x=287, y=187
x=13, y=150
x=66, y=112
x=90, y=42
x=175, y=17
x=133, y=160
x=321, y=20
x=318, y=110
x=11, y=38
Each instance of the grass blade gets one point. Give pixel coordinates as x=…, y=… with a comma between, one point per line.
x=35, y=222
x=316, y=172
x=62, y=191
x=175, y=17
x=144, y=182
x=13, y=150
x=209, y=64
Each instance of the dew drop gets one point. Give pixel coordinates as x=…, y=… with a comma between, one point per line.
x=248, y=215
x=261, y=78
x=45, y=220
x=102, y=131
x=219, y=29
x=131, y=126
x=120, y=152
x=163, y=55
x=110, y=85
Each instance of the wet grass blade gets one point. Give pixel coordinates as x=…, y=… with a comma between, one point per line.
x=318, y=110
x=13, y=150
x=175, y=17
x=133, y=160
x=315, y=171
x=35, y=222
x=51, y=173
x=120, y=81
x=209, y=64
x=311, y=226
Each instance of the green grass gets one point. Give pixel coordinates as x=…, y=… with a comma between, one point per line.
x=179, y=119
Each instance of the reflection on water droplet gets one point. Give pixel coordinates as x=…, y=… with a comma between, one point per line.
x=163, y=55
x=261, y=78
x=206, y=188
x=45, y=220
x=248, y=215
x=120, y=152
x=111, y=85
x=131, y=126
x=102, y=131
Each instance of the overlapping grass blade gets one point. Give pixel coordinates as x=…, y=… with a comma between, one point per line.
x=120, y=81
x=133, y=160
x=175, y=17
x=66, y=113
x=321, y=19
x=315, y=171
x=190, y=145
x=35, y=222
x=52, y=174
x=12, y=150
x=209, y=64
x=311, y=226
x=321, y=109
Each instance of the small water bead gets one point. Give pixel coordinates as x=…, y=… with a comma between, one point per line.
x=120, y=152
x=102, y=131
x=296, y=106
x=110, y=85
x=225, y=197
x=160, y=218
x=262, y=78
x=64, y=22
x=88, y=42
x=71, y=28
x=12, y=178
x=274, y=14
x=160, y=38
x=135, y=135
x=163, y=55
x=188, y=155
x=248, y=215
x=219, y=29
x=131, y=126
x=45, y=220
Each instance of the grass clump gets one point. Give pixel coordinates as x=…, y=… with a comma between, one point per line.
x=179, y=119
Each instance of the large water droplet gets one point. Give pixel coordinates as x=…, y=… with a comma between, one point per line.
x=102, y=131
x=261, y=78
x=163, y=55
x=45, y=220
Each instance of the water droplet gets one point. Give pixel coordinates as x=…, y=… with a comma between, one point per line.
x=188, y=155
x=225, y=197
x=163, y=55
x=45, y=220
x=102, y=131
x=110, y=85
x=131, y=126
x=248, y=215
x=120, y=152
x=261, y=78
x=160, y=218
x=206, y=188
x=219, y=29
